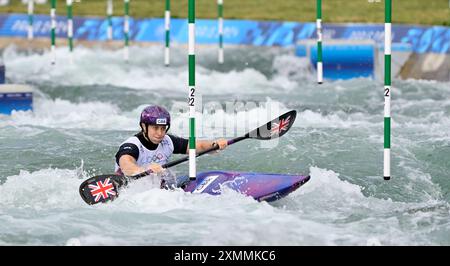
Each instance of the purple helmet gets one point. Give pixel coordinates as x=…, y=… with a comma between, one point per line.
x=155, y=115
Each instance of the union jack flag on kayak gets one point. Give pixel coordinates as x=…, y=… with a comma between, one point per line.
x=278, y=127
x=102, y=189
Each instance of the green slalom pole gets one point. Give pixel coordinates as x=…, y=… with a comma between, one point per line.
x=70, y=29
x=109, y=13
x=191, y=101
x=319, y=42
x=126, y=29
x=387, y=89
x=53, y=29
x=167, y=28
x=220, y=26
x=30, y=19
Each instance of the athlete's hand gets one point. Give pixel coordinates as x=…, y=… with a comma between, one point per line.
x=222, y=143
x=155, y=168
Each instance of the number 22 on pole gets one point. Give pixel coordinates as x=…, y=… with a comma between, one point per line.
x=191, y=96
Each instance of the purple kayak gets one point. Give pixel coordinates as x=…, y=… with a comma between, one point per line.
x=260, y=186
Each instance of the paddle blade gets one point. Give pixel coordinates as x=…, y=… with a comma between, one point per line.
x=275, y=128
x=102, y=188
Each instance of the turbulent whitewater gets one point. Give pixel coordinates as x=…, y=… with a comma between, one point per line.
x=82, y=112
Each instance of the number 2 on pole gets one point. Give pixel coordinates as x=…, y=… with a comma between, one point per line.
x=386, y=92
x=192, y=97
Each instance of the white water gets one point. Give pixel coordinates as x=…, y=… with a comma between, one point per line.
x=82, y=112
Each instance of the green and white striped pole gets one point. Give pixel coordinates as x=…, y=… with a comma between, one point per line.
x=220, y=26
x=109, y=13
x=70, y=29
x=191, y=101
x=319, y=42
x=387, y=89
x=30, y=19
x=53, y=30
x=126, y=29
x=167, y=28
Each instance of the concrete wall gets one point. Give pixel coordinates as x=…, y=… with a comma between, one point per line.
x=429, y=66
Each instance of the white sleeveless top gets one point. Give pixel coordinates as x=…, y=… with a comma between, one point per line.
x=160, y=155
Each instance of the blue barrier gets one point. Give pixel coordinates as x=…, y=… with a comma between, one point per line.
x=15, y=97
x=341, y=60
x=346, y=61
x=422, y=39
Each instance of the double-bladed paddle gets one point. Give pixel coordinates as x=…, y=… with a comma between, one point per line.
x=104, y=188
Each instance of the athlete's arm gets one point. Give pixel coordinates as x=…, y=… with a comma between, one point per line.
x=126, y=158
x=129, y=166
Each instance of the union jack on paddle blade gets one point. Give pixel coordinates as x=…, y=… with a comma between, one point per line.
x=277, y=128
x=102, y=190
